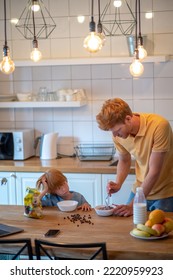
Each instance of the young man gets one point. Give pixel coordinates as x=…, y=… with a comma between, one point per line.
x=149, y=138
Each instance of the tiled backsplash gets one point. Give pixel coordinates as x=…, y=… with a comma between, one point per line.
x=152, y=92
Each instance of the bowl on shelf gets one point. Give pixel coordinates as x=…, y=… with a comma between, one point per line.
x=67, y=205
x=24, y=96
x=103, y=210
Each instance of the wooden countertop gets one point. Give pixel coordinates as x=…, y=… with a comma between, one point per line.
x=113, y=230
x=65, y=165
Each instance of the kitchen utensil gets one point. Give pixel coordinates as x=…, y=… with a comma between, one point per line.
x=107, y=201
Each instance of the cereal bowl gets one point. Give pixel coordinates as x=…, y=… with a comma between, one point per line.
x=67, y=205
x=101, y=210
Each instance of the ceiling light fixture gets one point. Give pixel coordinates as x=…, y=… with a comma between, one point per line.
x=81, y=19
x=44, y=23
x=7, y=66
x=100, y=27
x=35, y=6
x=119, y=23
x=35, y=54
x=136, y=68
x=93, y=42
x=148, y=15
x=117, y=3
x=141, y=50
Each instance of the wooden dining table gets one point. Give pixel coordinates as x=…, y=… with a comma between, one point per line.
x=82, y=227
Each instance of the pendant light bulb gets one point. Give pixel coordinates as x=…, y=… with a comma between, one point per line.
x=7, y=66
x=102, y=37
x=117, y=3
x=93, y=42
x=142, y=52
x=35, y=54
x=35, y=6
x=100, y=33
x=136, y=68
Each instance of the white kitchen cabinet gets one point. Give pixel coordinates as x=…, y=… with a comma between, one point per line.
x=89, y=185
x=122, y=196
x=7, y=188
x=24, y=180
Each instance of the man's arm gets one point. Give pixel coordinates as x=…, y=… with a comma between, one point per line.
x=155, y=166
x=123, y=167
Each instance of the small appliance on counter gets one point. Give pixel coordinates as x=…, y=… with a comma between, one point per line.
x=48, y=145
x=95, y=152
x=16, y=144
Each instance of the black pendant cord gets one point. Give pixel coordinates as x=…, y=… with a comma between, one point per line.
x=33, y=20
x=92, y=25
x=136, y=29
x=99, y=10
x=99, y=25
x=5, y=27
x=139, y=10
x=92, y=10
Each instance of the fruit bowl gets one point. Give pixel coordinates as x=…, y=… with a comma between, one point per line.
x=67, y=205
x=102, y=210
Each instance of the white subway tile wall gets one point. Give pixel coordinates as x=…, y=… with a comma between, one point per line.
x=152, y=92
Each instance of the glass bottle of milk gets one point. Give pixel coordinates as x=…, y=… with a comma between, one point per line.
x=139, y=207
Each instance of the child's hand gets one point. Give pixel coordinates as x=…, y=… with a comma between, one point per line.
x=85, y=207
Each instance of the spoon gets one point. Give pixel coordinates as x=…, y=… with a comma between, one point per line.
x=107, y=201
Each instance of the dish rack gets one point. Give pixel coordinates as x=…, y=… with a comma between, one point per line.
x=94, y=152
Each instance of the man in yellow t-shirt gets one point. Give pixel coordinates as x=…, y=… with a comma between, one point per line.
x=149, y=138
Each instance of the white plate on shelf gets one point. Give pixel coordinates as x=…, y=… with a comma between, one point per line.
x=151, y=237
x=7, y=98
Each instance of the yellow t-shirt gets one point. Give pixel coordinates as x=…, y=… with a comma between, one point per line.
x=154, y=135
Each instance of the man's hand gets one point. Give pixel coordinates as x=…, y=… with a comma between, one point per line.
x=123, y=210
x=112, y=187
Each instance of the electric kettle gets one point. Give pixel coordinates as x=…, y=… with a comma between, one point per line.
x=48, y=145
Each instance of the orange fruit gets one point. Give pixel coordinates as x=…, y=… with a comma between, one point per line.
x=157, y=216
x=148, y=223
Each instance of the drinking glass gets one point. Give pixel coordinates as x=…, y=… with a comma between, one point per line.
x=42, y=94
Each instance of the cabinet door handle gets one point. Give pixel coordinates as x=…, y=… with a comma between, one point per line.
x=4, y=181
x=13, y=175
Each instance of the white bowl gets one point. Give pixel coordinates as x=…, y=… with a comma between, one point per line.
x=101, y=211
x=67, y=205
x=24, y=96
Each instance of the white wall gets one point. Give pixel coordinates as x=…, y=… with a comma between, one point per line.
x=152, y=92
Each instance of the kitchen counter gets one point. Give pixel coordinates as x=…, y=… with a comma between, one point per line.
x=66, y=165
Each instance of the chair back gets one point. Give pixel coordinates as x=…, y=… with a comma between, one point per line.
x=65, y=251
x=15, y=248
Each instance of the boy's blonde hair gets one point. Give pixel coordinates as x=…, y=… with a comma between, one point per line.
x=114, y=111
x=55, y=179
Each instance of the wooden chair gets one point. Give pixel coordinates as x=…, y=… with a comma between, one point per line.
x=64, y=251
x=14, y=248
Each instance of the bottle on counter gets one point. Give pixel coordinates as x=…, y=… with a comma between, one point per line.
x=139, y=207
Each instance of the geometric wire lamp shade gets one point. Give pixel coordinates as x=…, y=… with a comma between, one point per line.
x=121, y=22
x=43, y=25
